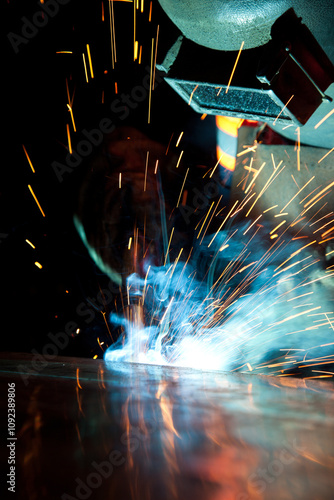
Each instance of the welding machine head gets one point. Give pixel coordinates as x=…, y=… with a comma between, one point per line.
x=284, y=72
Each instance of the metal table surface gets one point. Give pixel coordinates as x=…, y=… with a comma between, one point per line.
x=88, y=430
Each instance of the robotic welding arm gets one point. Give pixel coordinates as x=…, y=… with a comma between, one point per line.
x=284, y=52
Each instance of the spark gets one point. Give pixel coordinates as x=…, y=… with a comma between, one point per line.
x=155, y=56
x=178, y=161
x=120, y=180
x=72, y=117
x=248, y=150
x=112, y=33
x=184, y=180
x=36, y=200
x=192, y=93
x=300, y=190
x=207, y=215
x=234, y=67
x=28, y=158
x=151, y=82
x=255, y=177
x=270, y=208
x=69, y=138
x=85, y=66
x=129, y=244
x=29, y=243
x=285, y=105
x=326, y=155
x=179, y=139
x=319, y=194
x=222, y=224
x=170, y=239
x=77, y=377
x=298, y=149
x=134, y=28
x=150, y=13
x=324, y=119
x=37, y=264
x=146, y=165
x=90, y=61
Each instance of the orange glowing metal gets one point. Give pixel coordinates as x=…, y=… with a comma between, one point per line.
x=28, y=158
x=37, y=264
x=234, y=67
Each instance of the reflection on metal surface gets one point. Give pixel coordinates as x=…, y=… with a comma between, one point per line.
x=87, y=430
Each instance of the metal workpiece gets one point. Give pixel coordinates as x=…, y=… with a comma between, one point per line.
x=87, y=429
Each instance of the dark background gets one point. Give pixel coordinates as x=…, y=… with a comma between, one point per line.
x=38, y=301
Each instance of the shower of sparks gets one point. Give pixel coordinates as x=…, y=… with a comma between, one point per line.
x=28, y=158
x=36, y=200
x=234, y=67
